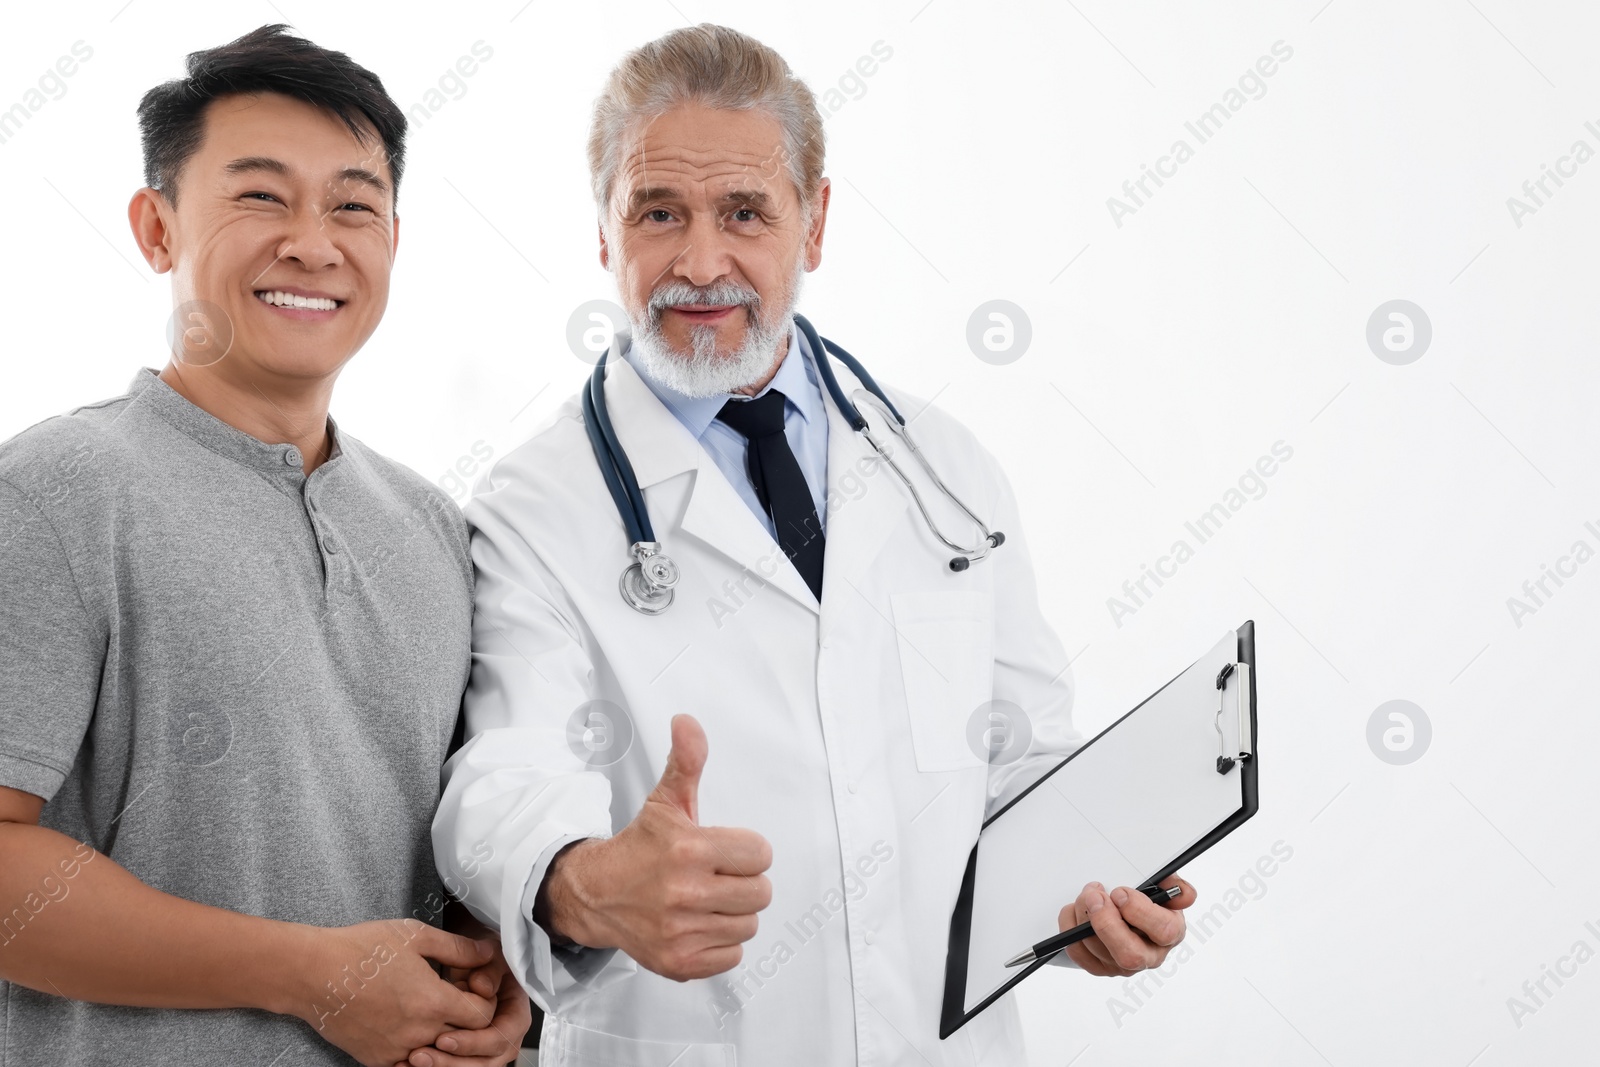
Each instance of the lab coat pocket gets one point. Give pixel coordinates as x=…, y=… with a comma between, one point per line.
x=582, y=1047
x=946, y=644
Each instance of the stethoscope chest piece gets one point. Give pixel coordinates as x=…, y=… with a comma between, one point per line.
x=648, y=583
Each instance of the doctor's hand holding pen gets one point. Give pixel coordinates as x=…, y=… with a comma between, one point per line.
x=678, y=897
x=1132, y=932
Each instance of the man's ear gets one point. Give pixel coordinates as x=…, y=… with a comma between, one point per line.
x=150, y=218
x=818, y=225
x=394, y=248
x=605, y=250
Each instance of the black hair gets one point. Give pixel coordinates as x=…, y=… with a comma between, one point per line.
x=265, y=60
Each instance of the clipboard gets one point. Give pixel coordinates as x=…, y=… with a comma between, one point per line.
x=1132, y=805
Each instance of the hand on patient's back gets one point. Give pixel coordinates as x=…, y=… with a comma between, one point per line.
x=678, y=897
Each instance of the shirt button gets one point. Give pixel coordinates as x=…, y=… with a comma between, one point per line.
x=291, y=457
x=867, y=937
x=330, y=545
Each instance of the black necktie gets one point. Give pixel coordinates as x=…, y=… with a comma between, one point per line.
x=779, y=483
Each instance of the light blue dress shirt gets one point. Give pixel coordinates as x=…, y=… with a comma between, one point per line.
x=805, y=425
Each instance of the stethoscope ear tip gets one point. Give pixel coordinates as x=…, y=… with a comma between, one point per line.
x=961, y=563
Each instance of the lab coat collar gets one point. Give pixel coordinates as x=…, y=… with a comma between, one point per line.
x=657, y=444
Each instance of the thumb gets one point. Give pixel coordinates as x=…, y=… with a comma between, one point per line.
x=680, y=782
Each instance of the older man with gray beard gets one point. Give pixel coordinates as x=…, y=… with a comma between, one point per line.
x=628, y=875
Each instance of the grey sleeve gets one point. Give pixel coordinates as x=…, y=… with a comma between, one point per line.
x=51, y=652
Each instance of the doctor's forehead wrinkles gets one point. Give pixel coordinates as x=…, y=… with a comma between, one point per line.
x=692, y=165
x=711, y=156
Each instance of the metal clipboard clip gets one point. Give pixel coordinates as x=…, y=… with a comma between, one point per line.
x=1241, y=694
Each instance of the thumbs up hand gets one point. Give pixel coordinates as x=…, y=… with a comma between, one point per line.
x=678, y=897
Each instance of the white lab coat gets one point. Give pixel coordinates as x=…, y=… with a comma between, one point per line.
x=839, y=734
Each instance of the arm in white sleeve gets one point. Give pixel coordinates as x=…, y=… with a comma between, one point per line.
x=515, y=794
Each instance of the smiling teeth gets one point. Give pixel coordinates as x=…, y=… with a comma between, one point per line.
x=289, y=300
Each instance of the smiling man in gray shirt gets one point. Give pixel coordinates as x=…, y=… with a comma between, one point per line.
x=233, y=639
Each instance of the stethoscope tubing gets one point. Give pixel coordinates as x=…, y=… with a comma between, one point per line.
x=822, y=346
x=615, y=467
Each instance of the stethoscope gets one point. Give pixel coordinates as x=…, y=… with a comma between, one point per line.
x=648, y=582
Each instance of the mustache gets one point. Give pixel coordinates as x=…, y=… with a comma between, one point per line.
x=717, y=294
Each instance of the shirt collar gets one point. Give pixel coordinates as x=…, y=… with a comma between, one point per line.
x=796, y=379
x=147, y=389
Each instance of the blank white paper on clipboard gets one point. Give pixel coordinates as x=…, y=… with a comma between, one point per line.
x=1124, y=809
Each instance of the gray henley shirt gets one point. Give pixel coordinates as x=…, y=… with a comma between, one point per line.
x=236, y=681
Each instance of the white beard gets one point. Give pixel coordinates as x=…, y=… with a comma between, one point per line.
x=703, y=371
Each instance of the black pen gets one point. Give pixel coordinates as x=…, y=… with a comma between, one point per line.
x=1051, y=945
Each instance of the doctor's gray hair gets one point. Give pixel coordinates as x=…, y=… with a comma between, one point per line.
x=716, y=67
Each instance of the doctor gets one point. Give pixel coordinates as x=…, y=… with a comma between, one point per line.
x=770, y=878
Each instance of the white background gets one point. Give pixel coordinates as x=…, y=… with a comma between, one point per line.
x=1168, y=354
